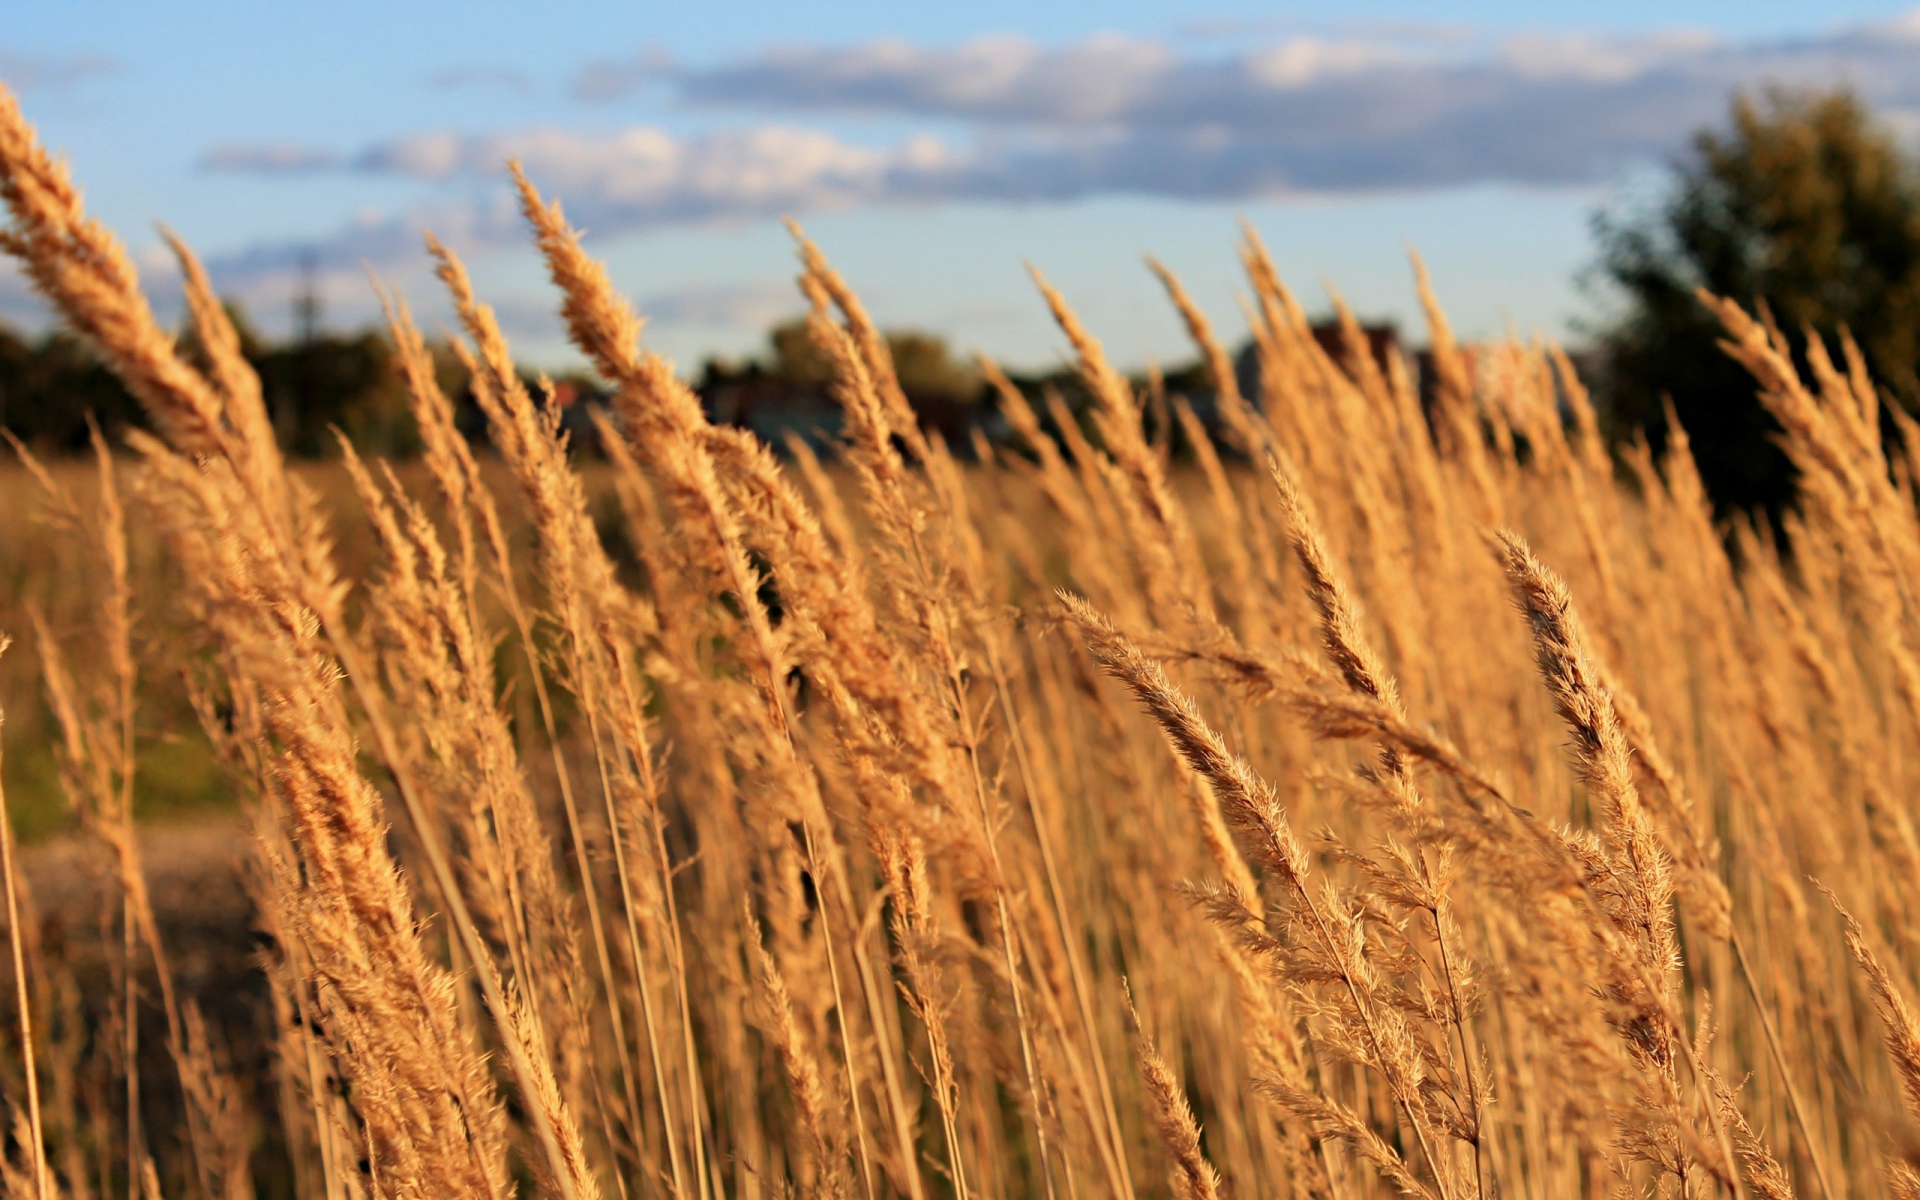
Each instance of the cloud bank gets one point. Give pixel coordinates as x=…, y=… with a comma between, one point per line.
x=33, y=72
x=1018, y=122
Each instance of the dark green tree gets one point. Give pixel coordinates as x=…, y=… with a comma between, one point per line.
x=347, y=381
x=48, y=386
x=923, y=362
x=1804, y=205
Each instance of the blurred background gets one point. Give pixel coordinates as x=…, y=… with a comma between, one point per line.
x=1571, y=172
x=1547, y=160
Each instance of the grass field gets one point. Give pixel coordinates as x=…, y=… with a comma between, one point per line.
x=1418, y=801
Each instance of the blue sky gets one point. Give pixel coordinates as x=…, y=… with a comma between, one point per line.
x=930, y=149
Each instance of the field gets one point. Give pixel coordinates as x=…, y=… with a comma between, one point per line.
x=1386, y=799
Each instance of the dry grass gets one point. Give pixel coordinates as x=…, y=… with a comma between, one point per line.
x=1463, y=816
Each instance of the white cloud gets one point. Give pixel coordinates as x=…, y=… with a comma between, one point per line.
x=275, y=158
x=1003, y=77
x=482, y=78
x=28, y=72
x=1300, y=61
x=645, y=173
x=1904, y=25
x=1108, y=115
x=612, y=183
x=1304, y=113
x=1616, y=60
x=616, y=79
x=1310, y=87
x=739, y=306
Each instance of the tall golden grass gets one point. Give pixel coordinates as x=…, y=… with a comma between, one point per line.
x=1438, y=809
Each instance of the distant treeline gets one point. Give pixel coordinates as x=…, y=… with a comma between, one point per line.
x=1803, y=206
x=49, y=385
x=349, y=381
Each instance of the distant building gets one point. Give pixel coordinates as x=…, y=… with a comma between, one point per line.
x=770, y=405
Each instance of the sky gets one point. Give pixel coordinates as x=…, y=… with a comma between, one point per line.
x=934, y=151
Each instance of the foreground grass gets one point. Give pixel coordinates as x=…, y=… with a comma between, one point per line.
x=1435, y=808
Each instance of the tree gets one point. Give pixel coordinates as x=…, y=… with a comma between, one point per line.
x=922, y=362
x=48, y=386
x=1803, y=205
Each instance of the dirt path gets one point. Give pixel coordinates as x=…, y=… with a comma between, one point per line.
x=196, y=876
x=194, y=872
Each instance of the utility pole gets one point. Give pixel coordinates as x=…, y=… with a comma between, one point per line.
x=306, y=301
